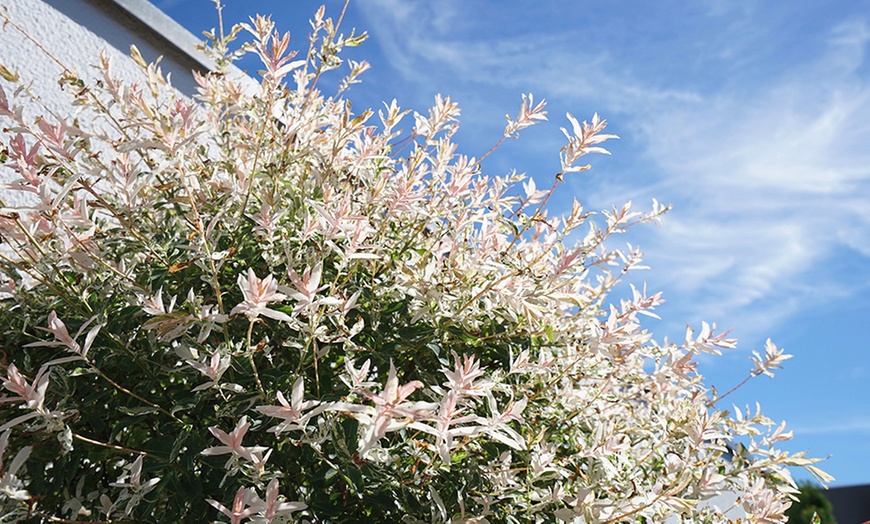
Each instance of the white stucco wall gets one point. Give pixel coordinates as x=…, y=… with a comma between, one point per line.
x=74, y=32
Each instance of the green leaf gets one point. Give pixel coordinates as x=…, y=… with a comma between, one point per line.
x=178, y=446
x=137, y=411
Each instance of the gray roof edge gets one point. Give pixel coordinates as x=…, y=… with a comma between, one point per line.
x=166, y=27
x=177, y=35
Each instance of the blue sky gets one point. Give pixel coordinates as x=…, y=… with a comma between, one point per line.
x=751, y=118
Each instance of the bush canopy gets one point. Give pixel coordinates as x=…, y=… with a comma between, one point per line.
x=261, y=306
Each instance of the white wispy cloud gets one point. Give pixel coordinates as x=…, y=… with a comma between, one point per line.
x=768, y=187
x=769, y=175
x=852, y=425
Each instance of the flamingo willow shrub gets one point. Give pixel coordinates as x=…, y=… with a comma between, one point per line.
x=260, y=306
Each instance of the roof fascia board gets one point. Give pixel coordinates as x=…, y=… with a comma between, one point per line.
x=167, y=28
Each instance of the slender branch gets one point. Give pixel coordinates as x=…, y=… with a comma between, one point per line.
x=250, y=353
x=116, y=447
x=714, y=401
x=126, y=391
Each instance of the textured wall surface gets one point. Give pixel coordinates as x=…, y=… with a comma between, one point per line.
x=74, y=32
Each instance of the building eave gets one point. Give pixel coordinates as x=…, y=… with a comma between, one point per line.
x=156, y=21
x=179, y=44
